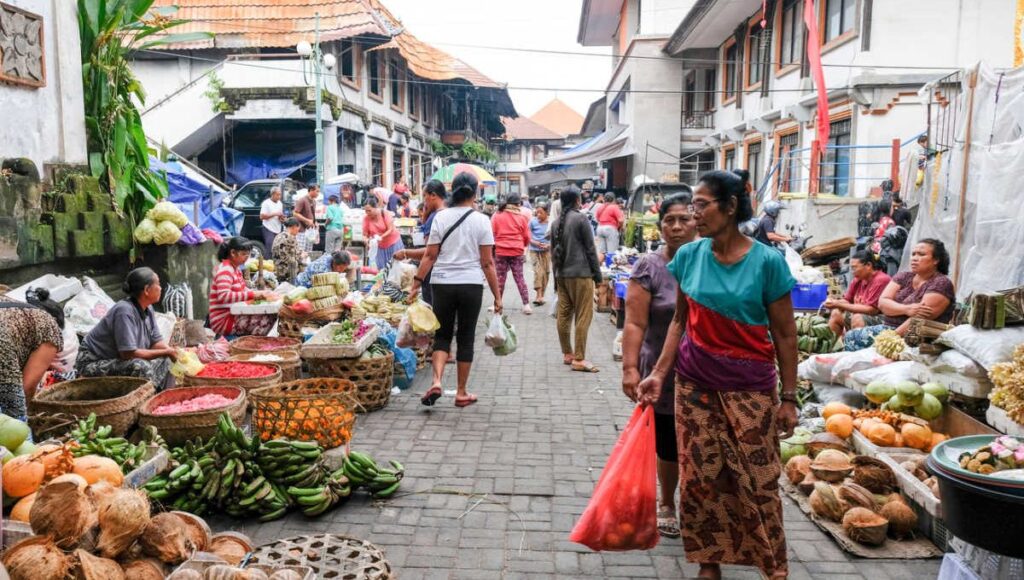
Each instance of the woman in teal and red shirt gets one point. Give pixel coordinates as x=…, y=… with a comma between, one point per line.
x=734, y=304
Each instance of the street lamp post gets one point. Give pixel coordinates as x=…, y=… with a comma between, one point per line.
x=318, y=63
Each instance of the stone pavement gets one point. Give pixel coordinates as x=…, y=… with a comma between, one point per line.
x=493, y=490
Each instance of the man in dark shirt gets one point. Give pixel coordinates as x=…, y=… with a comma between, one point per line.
x=766, y=226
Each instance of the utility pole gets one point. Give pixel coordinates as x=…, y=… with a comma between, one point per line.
x=318, y=68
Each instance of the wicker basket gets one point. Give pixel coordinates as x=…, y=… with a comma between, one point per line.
x=326, y=554
x=247, y=384
x=372, y=377
x=178, y=429
x=320, y=409
x=258, y=344
x=290, y=363
x=115, y=400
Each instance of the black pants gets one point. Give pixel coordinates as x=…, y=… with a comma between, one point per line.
x=457, y=307
x=665, y=445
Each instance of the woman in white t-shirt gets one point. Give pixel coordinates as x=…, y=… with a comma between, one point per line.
x=459, y=258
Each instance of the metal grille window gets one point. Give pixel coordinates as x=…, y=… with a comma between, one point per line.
x=397, y=167
x=729, y=70
x=756, y=53
x=377, y=165
x=789, y=162
x=754, y=163
x=839, y=17
x=729, y=159
x=792, y=40
x=835, y=167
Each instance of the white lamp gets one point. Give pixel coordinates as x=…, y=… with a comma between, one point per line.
x=329, y=61
x=304, y=48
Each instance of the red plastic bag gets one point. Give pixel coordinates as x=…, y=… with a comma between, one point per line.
x=623, y=512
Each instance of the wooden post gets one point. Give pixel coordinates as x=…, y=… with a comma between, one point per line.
x=972, y=82
x=813, y=178
x=894, y=170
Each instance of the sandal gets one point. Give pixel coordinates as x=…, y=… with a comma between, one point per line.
x=567, y=359
x=469, y=400
x=432, y=395
x=584, y=367
x=668, y=525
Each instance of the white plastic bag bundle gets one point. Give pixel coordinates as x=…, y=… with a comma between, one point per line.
x=856, y=361
x=371, y=249
x=167, y=211
x=793, y=260
x=893, y=373
x=88, y=307
x=496, y=333
x=402, y=274
x=819, y=368
x=986, y=347
x=953, y=361
x=553, y=309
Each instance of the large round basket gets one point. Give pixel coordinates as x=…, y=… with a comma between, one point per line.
x=372, y=377
x=263, y=344
x=248, y=384
x=290, y=363
x=177, y=429
x=329, y=555
x=320, y=409
x=290, y=325
x=115, y=400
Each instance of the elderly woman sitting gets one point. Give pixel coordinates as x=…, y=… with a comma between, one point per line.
x=924, y=292
x=859, y=307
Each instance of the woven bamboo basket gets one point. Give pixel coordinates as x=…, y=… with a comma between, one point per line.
x=318, y=409
x=177, y=429
x=263, y=344
x=290, y=363
x=290, y=324
x=115, y=400
x=373, y=377
x=247, y=384
x=329, y=555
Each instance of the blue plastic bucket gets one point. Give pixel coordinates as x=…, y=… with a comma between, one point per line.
x=809, y=296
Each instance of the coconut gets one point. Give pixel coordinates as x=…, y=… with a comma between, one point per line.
x=143, y=570
x=199, y=531
x=231, y=546
x=807, y=485
x=856, y=495
x=62, y=512
x=865, y=526
x=167, y=538
x=831, y=465
x=35, y=558
x=122, y=518
x=825, y=503
x=797, y=468
x=902, y=519
x=95, y=568
x=285, y=575
x=188, y=574
x=99, y=493
x=822, y=441
x=873, y=474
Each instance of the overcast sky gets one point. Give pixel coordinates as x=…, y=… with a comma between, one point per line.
x=522, y=24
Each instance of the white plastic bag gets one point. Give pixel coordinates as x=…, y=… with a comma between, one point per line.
x=402, y=274
x=856, y=361
x=496, y=334
x=553, y=309
x=793, y=260
x=986, y=347
x=371, y=249
x=954, y=361
x=65, y=360
x=88, y=307
x=819, y=368
x=893, y=373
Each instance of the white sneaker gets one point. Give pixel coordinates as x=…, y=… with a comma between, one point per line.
x=527, y=310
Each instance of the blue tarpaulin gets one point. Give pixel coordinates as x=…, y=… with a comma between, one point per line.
x=184, y=191
x=268, y=158
x=225, y=221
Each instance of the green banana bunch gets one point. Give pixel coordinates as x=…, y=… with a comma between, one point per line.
x=363, y=471
x=96, y=439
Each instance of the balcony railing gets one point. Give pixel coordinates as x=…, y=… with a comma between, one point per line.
x=698, y=119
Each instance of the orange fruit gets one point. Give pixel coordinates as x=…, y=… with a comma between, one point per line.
x=916, y=436
x=881, y=434
x=839, y=425
x=936, y=439
x=834, y=408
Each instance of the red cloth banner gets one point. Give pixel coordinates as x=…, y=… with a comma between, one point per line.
x=814, y=59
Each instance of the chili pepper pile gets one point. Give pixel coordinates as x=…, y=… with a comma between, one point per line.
x=235, y=370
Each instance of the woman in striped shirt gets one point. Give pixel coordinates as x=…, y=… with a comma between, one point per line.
x=228, y=285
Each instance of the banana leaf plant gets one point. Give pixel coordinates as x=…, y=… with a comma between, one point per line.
x=111, y=31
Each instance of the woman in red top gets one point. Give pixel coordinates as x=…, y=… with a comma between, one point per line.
x=609, y=221
x=378, y=222
x=229, y=287
x=511, y=236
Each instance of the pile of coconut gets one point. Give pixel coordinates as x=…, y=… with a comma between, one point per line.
x=102, y=532
x=858, y=491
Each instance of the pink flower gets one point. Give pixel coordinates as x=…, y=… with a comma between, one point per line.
x=997, y=448
x=1019, y=454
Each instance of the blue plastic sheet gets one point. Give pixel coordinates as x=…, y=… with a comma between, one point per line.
x=268, y=158
x=184, y=191
x=403, y=356
x=225, y=221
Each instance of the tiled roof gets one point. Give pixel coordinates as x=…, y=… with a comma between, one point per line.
x=525, y=129
x=559, y=117
x=274, y=23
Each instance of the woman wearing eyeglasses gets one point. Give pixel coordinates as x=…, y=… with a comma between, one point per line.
x=734, y=304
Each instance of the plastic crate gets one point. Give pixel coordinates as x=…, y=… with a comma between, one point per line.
x=620, y=288
x=809, y=296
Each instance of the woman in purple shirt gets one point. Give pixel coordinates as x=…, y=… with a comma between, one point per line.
x=650, y=305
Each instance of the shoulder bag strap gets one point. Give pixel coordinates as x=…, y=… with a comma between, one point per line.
x=453, y=228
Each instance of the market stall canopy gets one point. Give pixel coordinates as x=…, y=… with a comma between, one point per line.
x=447, y=173
x=611, y=144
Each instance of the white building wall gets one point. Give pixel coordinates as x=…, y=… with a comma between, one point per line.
x=47, y=124
x=661, y=16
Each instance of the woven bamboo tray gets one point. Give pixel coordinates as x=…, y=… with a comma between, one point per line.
x=247, y=384
x=115, y=400
x=290, y=363
x=329, y=555
x=372, y=377
x=177, y=429
x=320, y=346
x=318, y=409
x=256, y=344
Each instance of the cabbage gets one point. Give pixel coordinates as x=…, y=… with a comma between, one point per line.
x=167, y=211
x=166, y=233
x=295, y=295
x=795, y=445
x=145, y=231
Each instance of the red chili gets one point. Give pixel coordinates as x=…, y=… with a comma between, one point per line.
x=235, y=370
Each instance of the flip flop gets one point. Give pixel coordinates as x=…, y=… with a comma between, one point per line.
x=585, y=367
x=431, y=396
x=567, y=359
x=469, y=400
x=668, y=525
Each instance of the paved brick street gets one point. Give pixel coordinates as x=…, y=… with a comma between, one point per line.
x=493, y=490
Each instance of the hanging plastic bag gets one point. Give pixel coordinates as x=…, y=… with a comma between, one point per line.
x=622, y=513
x=409, y=338
x=496, y=332
x=511, y=342
x=402, y=274
x=88, y=307
x=187, y=364
x=371, y=250
x=553, y=309
x=793, y=260
x=422, y=317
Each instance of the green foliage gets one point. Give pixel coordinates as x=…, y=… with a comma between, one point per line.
x=439, y=148
x=213, y=92
x=477, y=151
x=118, y=152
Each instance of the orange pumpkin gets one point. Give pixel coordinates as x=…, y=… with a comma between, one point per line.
x=94, y=468
x=881, y=434
x=835, y=408
x=839, y=425
x=22, y=476
x=916, y=436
